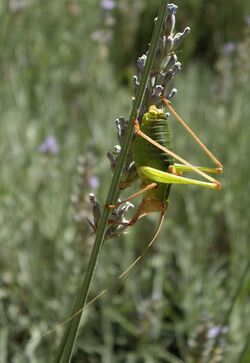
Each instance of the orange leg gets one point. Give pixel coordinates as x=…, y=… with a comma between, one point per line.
x=141, y=191
x=191, y=132
x=171, y=153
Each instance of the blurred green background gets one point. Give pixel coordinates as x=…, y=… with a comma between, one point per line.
x=66, y=69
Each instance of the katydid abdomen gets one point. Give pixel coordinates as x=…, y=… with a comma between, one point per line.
x=145, y=154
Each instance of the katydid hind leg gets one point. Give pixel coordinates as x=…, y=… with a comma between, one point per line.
x=174, y=155
x=192, y=133
x=160, y=176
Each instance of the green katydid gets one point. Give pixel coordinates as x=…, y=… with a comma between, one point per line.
x=155, y=165
x=154, y=161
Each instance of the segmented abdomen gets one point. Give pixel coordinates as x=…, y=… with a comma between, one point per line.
x=146, y=154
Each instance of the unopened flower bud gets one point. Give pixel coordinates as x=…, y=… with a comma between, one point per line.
x=180, y=36
x=96, y=211
x=171, y=62
x=176, y=68
x=158, y=89
x=141, y=62
x=121, y=125
x=168, y=45
x=136, y=84
x=172, y=93
x=170, y=20
x=168, y=76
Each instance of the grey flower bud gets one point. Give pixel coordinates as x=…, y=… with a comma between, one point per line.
x=180, y=36
x=172, y=93
x=171, y=62
x=176, y=68
x=136, y=84
x=141, y=62
x=121, y=125
x=170, y=20
x=116, y=149
x=112, y=160
x=168, y=76
x=96, y=211
x=168, y=45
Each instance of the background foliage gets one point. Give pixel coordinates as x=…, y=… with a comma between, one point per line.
x=65, y=74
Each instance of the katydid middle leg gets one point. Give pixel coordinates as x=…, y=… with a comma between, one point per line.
x=144, y=189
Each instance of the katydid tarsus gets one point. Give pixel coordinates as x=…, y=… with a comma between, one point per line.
x=154, y=160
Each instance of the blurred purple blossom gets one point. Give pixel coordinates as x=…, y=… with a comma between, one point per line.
x=108, y=5
x=49, y=146
x=216, y=330
x=93, y=182
x=229, y=47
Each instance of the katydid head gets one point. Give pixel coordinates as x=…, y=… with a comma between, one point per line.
x=153, y=114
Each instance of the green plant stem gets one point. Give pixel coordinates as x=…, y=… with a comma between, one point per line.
x=66, y=347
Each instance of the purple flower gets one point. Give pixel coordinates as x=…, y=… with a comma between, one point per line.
x=108, y=5
x=49, y=146
x=229, y=47
x=216, y=330
x=93, y=182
